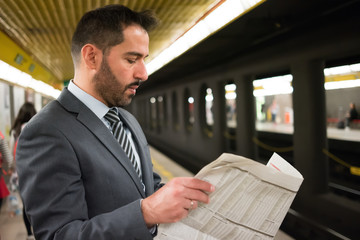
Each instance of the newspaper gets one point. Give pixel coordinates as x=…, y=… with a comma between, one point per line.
x=250, y=200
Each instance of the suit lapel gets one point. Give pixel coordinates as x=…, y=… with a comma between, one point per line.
x=97, y=127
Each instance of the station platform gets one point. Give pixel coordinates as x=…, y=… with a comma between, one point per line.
x=346, y=134
x=13, y=228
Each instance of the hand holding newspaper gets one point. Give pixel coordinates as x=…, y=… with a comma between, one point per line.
x=250, y=200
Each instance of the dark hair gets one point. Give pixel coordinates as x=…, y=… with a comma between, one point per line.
x=104, y=26
x=26, y=112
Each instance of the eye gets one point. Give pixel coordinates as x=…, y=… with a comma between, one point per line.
x=131, y=61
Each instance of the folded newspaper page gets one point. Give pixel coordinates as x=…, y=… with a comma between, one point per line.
x=250, y=200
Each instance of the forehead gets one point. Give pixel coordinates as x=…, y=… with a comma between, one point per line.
x=136, y=39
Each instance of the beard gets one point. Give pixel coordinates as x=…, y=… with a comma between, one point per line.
x=110, y=89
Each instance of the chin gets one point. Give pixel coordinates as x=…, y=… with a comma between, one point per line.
x=125, y=102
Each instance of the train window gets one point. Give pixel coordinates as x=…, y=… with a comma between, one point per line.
x=188, y=109
x=161, y=108
x=230, y=105
x=175, y=112
x=209, y=102
x=342, y=87
x=206, y=110
x=153, y=113
x=273, y=97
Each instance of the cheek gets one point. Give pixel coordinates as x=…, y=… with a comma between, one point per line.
x=123, y=74
x=126, y=78
x=121, y=77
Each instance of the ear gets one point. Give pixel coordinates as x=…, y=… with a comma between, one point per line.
x=92, y=56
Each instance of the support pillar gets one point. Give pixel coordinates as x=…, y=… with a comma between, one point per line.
x=310, y=136
x=245, y=108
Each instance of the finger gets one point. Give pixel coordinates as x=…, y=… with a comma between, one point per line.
x=195, y=183
x=191, y=205
x=197, y=195
x=194, y=205
x=188, y=204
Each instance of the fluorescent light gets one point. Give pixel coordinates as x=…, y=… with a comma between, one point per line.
x=342, y=84
x=273, y=86
x=337, y=70
x=230, y=95
x=222, y=15
x=342, y=69
x=13, y=75
x=209, y=98
x=230, y=87
x=355, y=67
x=346, y=76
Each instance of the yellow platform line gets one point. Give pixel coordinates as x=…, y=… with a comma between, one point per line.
x=161, y=170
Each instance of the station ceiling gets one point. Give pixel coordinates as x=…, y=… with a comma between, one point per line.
x=271, y=23
x=43, y=28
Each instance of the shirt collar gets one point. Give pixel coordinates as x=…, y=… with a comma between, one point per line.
x=99, y=108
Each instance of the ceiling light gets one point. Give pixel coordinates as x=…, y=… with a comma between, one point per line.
x=218, y=18
x=15, y=76
x=273, y=86
x=342, y=84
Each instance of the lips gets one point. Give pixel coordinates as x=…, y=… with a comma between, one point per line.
x=133, y=88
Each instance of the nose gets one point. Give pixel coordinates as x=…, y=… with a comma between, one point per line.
x=141, y=72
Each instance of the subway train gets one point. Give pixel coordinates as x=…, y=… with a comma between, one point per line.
x=264, y=84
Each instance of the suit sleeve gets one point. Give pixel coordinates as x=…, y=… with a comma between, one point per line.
x=53, y=193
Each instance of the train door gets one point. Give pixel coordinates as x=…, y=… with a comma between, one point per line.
x=189, y=110
x=230, y=117
x=206, y=111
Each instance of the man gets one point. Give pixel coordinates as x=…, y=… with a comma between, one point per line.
x=76, y=179
x=351, y=115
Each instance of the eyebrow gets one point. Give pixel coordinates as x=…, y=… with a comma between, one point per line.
x=135, y=54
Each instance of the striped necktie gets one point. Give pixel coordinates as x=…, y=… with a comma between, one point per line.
x=121, y=136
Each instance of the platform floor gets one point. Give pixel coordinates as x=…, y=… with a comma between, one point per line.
x=13, y=228
x=347, y=134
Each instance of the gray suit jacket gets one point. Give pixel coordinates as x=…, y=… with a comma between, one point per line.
x=76, y=181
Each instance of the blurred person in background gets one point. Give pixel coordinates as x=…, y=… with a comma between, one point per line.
x=7, y=160
x=26, y=112
x=351, y=115
x=274, y=109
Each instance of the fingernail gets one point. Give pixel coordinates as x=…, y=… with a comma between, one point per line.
x=212, y=188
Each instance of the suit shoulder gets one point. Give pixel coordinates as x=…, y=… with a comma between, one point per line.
x=48, y=113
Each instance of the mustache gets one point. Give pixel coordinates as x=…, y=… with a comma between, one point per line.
x=138, y=82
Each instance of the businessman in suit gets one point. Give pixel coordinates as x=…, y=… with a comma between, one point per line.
x=76, y=178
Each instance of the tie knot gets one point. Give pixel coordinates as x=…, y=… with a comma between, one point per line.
x=112, y=116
